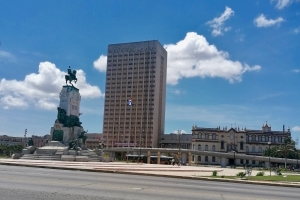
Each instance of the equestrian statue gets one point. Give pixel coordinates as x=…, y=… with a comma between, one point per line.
x=71, y=76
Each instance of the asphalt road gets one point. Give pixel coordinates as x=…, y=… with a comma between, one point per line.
x=18, y=183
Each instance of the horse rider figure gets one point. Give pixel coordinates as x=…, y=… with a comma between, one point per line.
x=71, y=76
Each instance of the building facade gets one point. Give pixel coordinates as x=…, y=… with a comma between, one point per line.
x=93, y=140
x=39, y=141
x=9, y=140
x=174, y=141
x=235, y=141
x=135, y=94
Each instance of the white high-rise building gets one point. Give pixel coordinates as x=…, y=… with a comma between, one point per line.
x=136, y=72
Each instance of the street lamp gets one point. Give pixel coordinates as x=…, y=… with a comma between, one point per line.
x=297, y=154
x=233, y=158
x=179, y=156
x=269, y=143
x=141, y=140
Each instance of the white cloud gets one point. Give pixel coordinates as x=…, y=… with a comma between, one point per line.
x=296, y=31
x=283, y=3
x=100, y=63
x=181, y=131
x=9, y=101
x=195, y=57
x=296, y=128
x=175, y=91
x=296, y=70
x=4, y=55
x=217, y=23
x=42, y=89
x=262, y=21
x=45, y=104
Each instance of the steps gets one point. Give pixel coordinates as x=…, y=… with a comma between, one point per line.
x=92, y=156
x=40, y=157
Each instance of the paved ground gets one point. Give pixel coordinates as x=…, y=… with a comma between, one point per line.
x=135, y=168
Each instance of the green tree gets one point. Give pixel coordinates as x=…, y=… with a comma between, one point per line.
x=287, y=149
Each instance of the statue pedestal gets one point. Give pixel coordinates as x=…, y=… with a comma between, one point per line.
x=65, y=134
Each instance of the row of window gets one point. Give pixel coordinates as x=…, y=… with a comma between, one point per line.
x=126, y=59
x=261, y=138
x=206, y=136
x=206, y=148
x=213, y=159
x=136, y=54
x=254, y=149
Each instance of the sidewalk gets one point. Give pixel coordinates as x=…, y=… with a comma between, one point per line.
x=191, y=172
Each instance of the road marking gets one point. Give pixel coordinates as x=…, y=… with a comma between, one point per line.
x=137, y=188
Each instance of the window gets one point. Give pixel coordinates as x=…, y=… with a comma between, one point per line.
x=193, y=147
x=199, y=135
x=213, y=136
x=253, y=149
x=247, y=137
x=199, y=147
x=206, y=136
x=206, y=158
x=259, y=149
x=213, y=159
x=193, y=158
x=267, y=139
x=242, y=161
x=273, y=139
x=253, y=138
x=253, y=162
x=241, y=146
x=213, y=148
x=199, y=158
x=222, y=144
x=247, y=149
x=206, y=148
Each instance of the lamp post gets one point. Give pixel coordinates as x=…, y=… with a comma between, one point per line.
x=297, y=154
x=233, y=158
x=141, y=140
x=25, y=145
x=269, y=143
x=179, y=156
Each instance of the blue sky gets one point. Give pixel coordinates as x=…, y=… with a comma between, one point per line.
x=230, y=63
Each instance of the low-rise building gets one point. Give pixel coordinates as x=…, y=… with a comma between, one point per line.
x=174, y=141
x=9, y=140
x=93, y=140
x=39, y=141
x=234, y=140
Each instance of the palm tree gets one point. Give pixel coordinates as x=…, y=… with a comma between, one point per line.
x=287, y=147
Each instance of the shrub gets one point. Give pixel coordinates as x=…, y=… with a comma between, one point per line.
x=223, y=176
x=241, y=174
x=260, y=174
x=215, y=173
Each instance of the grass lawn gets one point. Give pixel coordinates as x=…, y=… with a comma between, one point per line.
x=279, y=178
x=288, y=178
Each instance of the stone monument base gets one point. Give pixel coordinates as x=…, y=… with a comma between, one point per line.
x=55, y=150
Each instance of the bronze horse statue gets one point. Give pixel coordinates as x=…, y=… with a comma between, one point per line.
x=71, y=76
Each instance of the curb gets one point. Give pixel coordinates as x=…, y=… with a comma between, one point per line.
x=160, y=175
